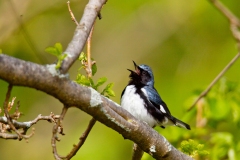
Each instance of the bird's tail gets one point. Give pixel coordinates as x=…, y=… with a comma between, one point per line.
x=181, y=124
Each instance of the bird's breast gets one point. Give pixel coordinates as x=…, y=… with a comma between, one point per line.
x=134, y=104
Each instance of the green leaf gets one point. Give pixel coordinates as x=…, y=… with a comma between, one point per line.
x=91, y=81
x=52, y=50
x=94, y=69
x=58, y=47
x=56, y=50
x=108, y=90
x=100, y=82
x=83, y=80
x=82, y=57
x=60, y=60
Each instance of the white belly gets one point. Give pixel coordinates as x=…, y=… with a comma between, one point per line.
x=135, y=105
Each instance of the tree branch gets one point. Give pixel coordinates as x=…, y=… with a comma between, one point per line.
x=29, y=124
x=81, y=34
x=9, y=123
x=137, y=152
x=45, y=78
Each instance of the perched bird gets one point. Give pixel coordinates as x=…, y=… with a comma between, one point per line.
x=142, y=100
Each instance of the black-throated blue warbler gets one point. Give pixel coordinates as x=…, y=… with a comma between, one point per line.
x=142, y=100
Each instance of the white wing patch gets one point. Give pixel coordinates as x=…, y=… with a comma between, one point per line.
x=162, y=109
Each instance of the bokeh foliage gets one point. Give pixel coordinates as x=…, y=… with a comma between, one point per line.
x=186, y=43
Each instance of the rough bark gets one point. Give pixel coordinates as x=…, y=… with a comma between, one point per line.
x=46, y=79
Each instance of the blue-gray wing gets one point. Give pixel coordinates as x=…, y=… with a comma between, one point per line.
x=156, y=100
x=161, y=106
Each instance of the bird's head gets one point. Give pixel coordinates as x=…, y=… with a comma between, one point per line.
x=142, y=75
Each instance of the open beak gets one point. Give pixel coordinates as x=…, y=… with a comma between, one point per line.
x=136, y=68
x=137, y=71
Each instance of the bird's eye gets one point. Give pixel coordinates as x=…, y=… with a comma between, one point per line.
x=144, y=72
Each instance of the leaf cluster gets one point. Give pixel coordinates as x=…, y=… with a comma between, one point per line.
x=193, y=148
x=220, y=132
x=57, y=51
x=223, y=114
x=88, y=81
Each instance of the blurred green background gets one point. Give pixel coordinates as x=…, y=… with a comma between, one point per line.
x=187, y=43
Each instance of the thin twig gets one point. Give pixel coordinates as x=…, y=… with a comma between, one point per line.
x=233, y=20
x=57, y=128
x=20, y=136
x=6, y=102
x=89, y=61
x=75, y=47
x=28, y=124
x=234, y=27
x=205, y=92
x=226, y=12
x=88, y=65
x=82, y=139
x=71, y=13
